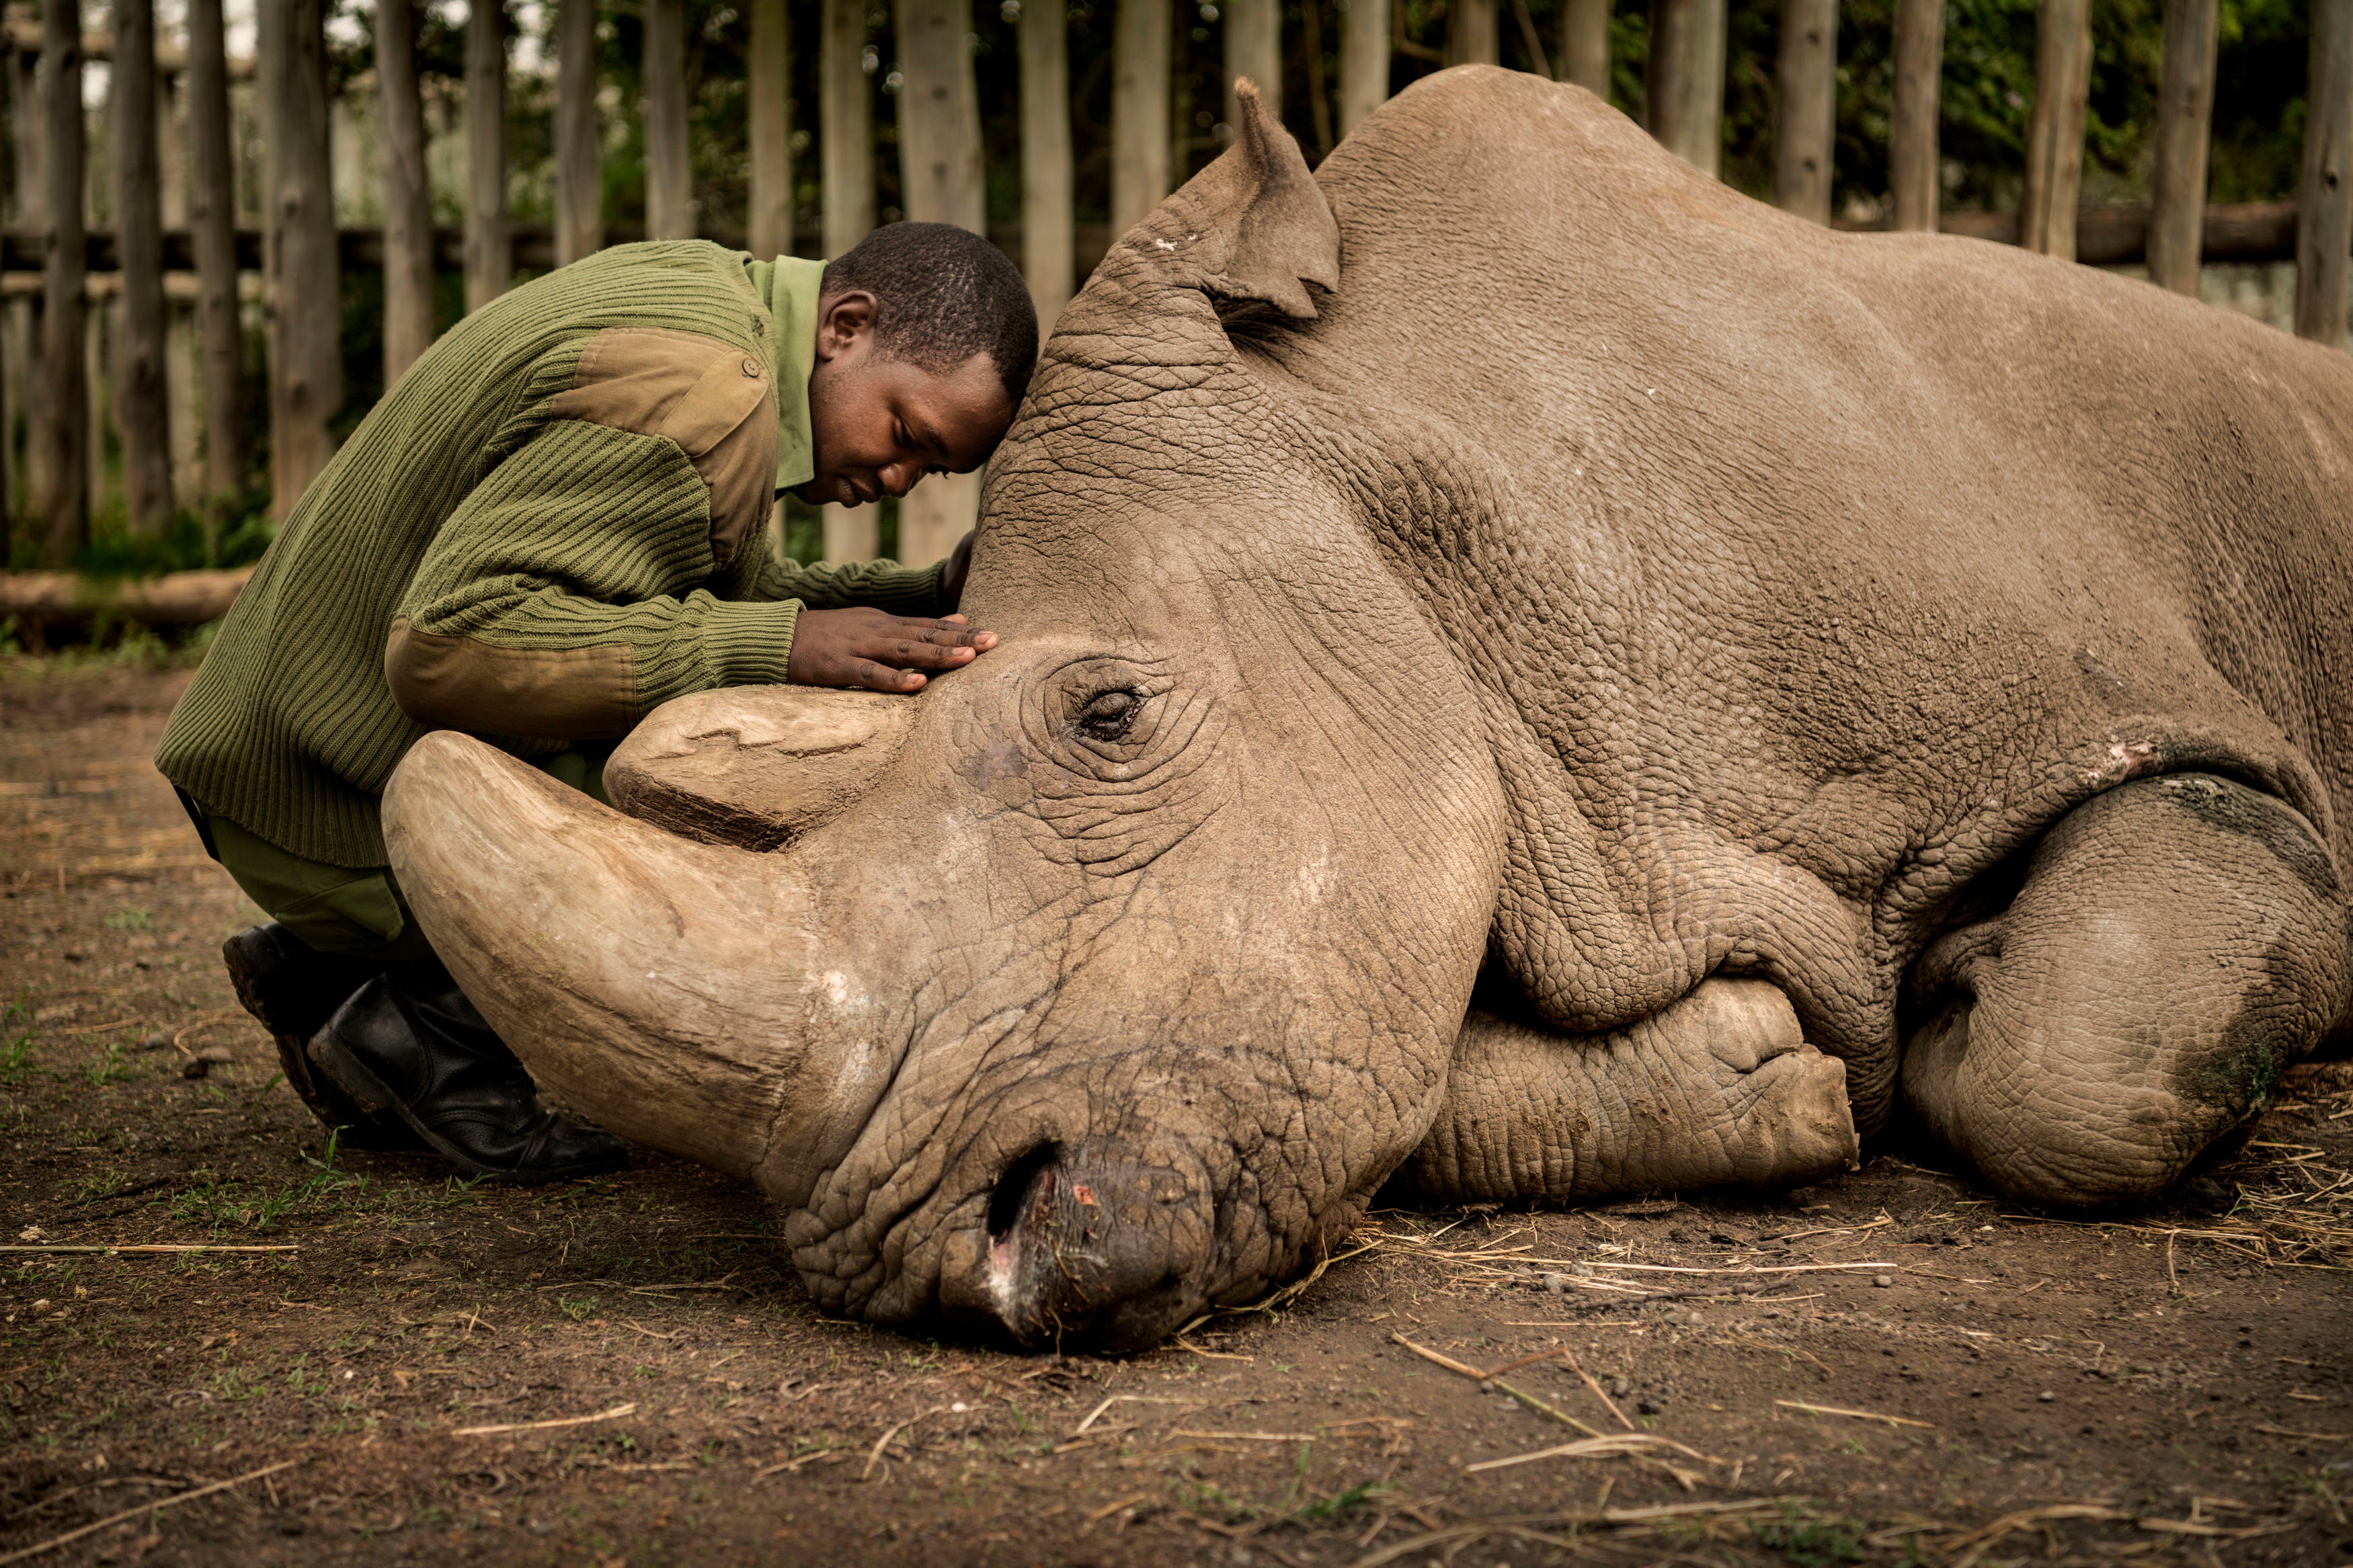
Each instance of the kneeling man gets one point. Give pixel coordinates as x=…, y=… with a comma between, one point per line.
x=555, y=522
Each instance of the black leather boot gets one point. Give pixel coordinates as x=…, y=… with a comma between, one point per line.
x=293, y=988
x=409, y=1043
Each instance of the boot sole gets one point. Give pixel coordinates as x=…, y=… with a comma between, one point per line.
x=357, y=1080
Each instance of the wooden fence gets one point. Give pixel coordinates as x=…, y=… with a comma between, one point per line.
x=177, y=269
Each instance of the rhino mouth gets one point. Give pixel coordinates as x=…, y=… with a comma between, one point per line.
x=1091, y=1250
x=1104, y=1243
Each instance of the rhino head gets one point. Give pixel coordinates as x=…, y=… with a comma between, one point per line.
x=1106, y=980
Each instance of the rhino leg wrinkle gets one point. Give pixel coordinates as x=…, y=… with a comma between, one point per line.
x=1524, y=671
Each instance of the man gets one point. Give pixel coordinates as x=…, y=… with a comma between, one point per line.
x=555, y=521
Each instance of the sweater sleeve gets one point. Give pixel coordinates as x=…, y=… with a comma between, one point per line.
x=884, y=584
x=559, y=600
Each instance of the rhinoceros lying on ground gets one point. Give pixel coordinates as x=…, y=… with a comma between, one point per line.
x=1799, y=680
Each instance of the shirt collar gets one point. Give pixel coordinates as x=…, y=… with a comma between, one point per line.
x=789, y=286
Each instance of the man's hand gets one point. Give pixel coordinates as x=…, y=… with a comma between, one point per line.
x=877, y=651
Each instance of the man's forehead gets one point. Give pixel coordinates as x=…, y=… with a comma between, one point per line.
x=971, y=394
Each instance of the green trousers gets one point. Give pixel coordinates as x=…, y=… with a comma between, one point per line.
x=343, y=908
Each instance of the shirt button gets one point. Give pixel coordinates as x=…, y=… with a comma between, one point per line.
x=752, y=368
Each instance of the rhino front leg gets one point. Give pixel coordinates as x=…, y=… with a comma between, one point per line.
x=2176, y=944
x=1718, y=1090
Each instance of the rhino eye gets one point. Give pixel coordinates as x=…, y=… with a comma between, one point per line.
x=1108, y=715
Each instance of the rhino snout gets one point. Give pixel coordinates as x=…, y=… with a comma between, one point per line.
x=1091, y=1245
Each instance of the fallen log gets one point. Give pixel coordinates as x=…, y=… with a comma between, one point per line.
x=67, y=599
x=2116, y=234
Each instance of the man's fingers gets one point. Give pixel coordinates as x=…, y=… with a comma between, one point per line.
x=947, y=634
x=922, y=654
x=876, y=677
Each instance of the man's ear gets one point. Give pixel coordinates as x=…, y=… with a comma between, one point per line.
x=842, y=319
x=1252, y=225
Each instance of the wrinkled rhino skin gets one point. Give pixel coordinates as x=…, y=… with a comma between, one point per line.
x=1800, y=680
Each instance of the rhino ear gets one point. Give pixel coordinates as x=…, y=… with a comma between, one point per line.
x=1253, y=225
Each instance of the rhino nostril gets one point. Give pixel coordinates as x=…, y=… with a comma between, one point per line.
x=1013, y=1189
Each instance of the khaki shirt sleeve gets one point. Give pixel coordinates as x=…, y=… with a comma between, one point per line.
x=713, y=401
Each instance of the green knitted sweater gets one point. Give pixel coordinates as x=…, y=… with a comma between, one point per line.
x=553, y=522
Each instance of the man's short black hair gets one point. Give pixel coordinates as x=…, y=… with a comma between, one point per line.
x=943, y=294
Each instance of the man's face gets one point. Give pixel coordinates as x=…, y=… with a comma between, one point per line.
x=880, y=423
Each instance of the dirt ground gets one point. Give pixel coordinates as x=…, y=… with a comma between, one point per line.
x=373, y=1361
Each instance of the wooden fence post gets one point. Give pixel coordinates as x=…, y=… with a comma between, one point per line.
x=181, y=362
x=212, y=224
x=1140, y=149
x=2324, y=227
x=1046, y=171
x=22, y=370
x=183, y=383
x=940, y=182
x=62, y=427
x=304, y=279
x=171, y=111
x=770, y=218
x=846, y=148
x=25, y=121
x=98, y=324
x=1319, y=89
x=1912, y=174
x=1584, y=45
x=1807, y=72
x=845, y=131
x=939, y=115
x=490, y=255
x=407, y=197
x=1254, y=50
x=579, y=142
x=670, y=174
x=1180, y=96
x=1472, y=37
x=1363, y=60
x=1686, y=81
x=2185, y=119
x=2055, y=133
x=771, y=88
x=142, y=397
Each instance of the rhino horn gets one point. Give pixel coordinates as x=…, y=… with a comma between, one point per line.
x=679, y=994
x=755, y=766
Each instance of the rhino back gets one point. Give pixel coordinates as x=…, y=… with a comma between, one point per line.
x=1808, y=576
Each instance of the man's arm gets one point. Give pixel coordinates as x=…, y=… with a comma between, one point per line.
x=543, y=607
x=550, y=604
x=881, y=584
x=934, y=590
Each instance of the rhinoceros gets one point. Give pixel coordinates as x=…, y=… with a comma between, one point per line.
x=1526, y=674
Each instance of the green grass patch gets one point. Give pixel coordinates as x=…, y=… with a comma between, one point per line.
x=1810, y=1543
x=218, y=1206
x=16, y=1031
x=110, y=1067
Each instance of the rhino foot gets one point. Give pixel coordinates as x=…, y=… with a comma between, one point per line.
x=2177, y=944
x=1718, y=1090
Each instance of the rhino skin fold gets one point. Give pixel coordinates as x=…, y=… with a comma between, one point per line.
x=1524, y=671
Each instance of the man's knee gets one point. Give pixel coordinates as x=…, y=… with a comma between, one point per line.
x=358, y=911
